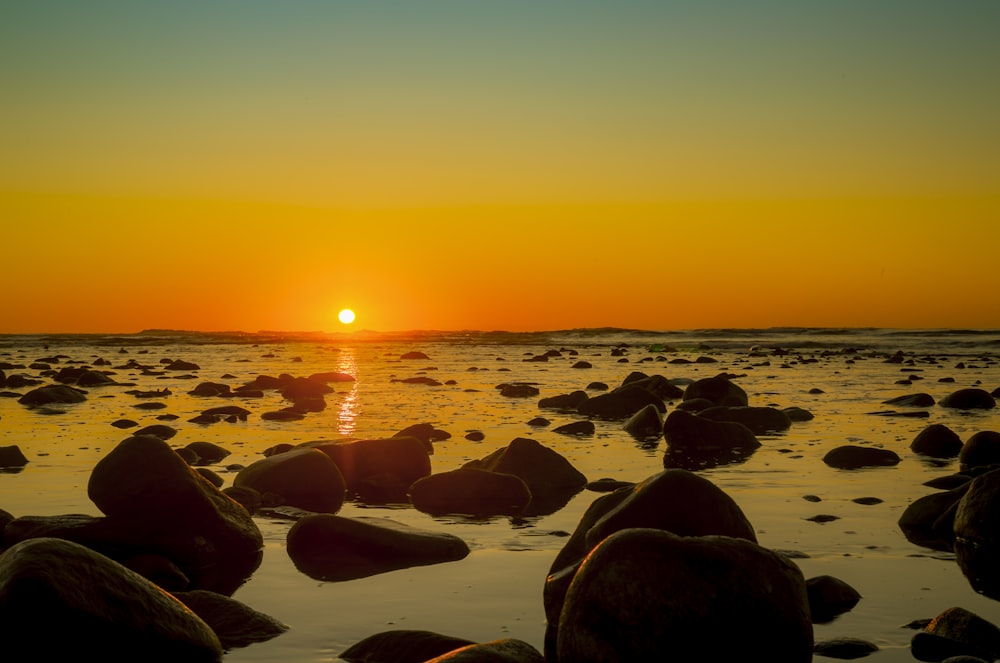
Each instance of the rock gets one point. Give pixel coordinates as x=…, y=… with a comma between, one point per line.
x=798, y=414
x=676, y=500
x=181, y=365
x=937, y=441
x=966, y=633
x=414, y=354
x=576, y=428
x=911, y=400
x=655, y=384
x=61, y=601
x=977, y=533
x=645, y=425
x=159, y=431
x=211, y=389
x=718, y=390
x=518, y=390
x=620, y=403
x=760, y=420
x=379, y=470
x=568, y=402
x=56, y=393
x=507, y=650
x=851, y=457
x=207, y=453
x=306, y=478
x=472, y=492
x=829, y=597
x=402, y=646
x=282, y=415
x=12, y=456
x=299, y=389
x=82, y=377
x=235, y=623
x=694, y=442
x=929, y=521
x=980, y=450
x=147, y=490
x=227, y=412
x=124, y=423
x=425, y=432
x=332, y=548
x=647, y=594
x=845, y=648
x=969, y=399
x=550, y=478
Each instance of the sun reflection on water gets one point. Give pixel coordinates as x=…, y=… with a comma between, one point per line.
x=347, y=412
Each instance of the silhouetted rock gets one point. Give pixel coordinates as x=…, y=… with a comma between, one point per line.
x=236, y=624
x=829, y=597
x=718, y=390
x=331, y=548
x=937, y=441
x=56, y=393
x=181, y=365
x=211, y=389
x=414, y=354
x=648, y=594
x=980, y=450
x=577, y=428
x=977, y=534
x=760, y=420
x=402, y=646
x=911, y=400
x=957, y=632
x=567, y=402
x=425, y=432
x=798, y=414
x=207, y=453
x=306, y=478
x=62, y=601
x=379, y=470
x=620, y=403
x=160, y=431
x=12, y=456
x=969, y=399
x=471, y=492
x=852, y=456
x=654, y=384
x=645, y=425
x=507, y=650
x=845, y=648
x=682, y=429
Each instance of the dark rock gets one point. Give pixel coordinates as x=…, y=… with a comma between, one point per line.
x=12, y=456
x=719, y=390
x=82, y=377
x=61, y=601
x=645, y=425
x=159, y=431
x=829, y=597
x=845, y=648
x=682, y=429
x=980, y=450
x=911, y=400
x=977, y=533
x=507, y=650
x=647, y=594
x=306, y=478
x=299, y=389
x=181, y=365
x=282, y=415
x=235, y=623
x=937, y=441
x=402, y=646
x=379, y=470
x=227, y=412
x=577, y=428
x=426, y=432
x=475, y=436
x=582, y=364
x=472, y=492
x=207, y=453
x=414, y=354
x=56, y=393
x=539, y=422
x=851, y=457
x=620, y=403
x=518, y=390
x=969, y=399
x=333, y=548
x=760, y=420
x=654, y=384
x=798, y=414
x=211, y=389
x=124, y=423
x=569, y=402
x=929, y=520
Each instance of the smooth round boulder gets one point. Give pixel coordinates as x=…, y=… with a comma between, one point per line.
x=760, y=420
x=972, y=398
x=645, y=425
x=472, y=492
x=853, y=456
x=937, y=441
x=621, y=403
x=683, y=430
x=402, y=646
x=379, y=470
x=719, y=390
x=650, y=595
x=56, y=393
x=977, y=534
x=304, y=478
x=980, y=450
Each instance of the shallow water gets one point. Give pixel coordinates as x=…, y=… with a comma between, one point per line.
x=496, y=591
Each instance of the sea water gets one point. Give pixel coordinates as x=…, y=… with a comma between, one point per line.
x=840, y=376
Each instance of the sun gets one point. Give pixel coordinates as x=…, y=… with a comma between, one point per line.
x=346, y=316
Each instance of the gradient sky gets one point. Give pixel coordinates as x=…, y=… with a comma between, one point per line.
x=518, y=165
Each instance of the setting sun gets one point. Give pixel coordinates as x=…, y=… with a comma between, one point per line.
x=346, y=316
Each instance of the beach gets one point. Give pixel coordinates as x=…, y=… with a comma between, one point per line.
x=841, y=377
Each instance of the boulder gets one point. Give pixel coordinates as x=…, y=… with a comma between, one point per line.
x=507, y=650
x=719, y=390
x=694, y=442
x=568, y=402
x=646, y=594
x=61, y=601
x=655, y=384
x=402, y=646
x=829, y=597
x=852, y=457
x=12, y=456
x=305, y=478
x=146, y=488
x=207, y=453
x=929, y=520
x=980, y=450
x=379, y=470
x=472, y=492
x=797, y=414
x=577, y=428
x=972, y=398
x=977, y=533
x=645, y=425
x=619, y=404
x=937, y=441
x=56, y=393
x=760, y=420
x=425, y=432
x=911, y=400
x=332, y=548
x=236, y=624
x=211, y=389
x=957, y=632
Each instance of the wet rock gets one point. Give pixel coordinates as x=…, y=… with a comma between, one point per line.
x=911, y=400
x=212, y=389
x=207, y=453
x=682, y=429
x=124, y=423
x=576, y=428
x=798, y=414
x=306, y=478
x=852, y=456
x=12, y=456
x=977, y=533
x=760, y=420
x=472, y=492
x=227, y=412
x=937, y=441
x=159, y=431
x=414, y=354
x=645, y=425
x=829, y=597
x=980, y=450
x=282, y=415
x=929, y=520
x=333, y=548
x=66, y=602
x=654, y=384
x=428, y=433
x=969, y=399
x=620, y=403
x=957, y=632
x=647, y=594
x=507, y=650
x=845, y=648
x=56, y=393
x=236, y=624
x=147, y=490
x=181, y=365
x=82, y=377
x=402, y=646
x=299, y=389
x=518, y=390
x=379, y=470
x=718, y=390
x=568, y=402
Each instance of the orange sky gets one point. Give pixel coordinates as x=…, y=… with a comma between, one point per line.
x=440, y=165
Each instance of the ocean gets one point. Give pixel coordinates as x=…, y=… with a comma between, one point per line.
x=841, y=376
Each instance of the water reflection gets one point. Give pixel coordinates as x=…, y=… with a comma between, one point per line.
x=347, y=411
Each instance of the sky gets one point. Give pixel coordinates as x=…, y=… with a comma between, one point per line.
x=498, y=165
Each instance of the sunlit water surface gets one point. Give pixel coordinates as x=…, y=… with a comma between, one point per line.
x=496, y=592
